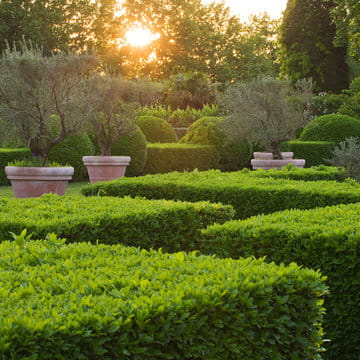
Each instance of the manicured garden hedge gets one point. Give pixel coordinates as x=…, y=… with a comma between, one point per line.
x=291, y=172
x=326, y=239
x=164, y=158
x=248, y=195
x=314, y=152
x=9, y=155
x=81, y=301
x=137, y=222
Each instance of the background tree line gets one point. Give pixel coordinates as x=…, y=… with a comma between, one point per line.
x=316, y=38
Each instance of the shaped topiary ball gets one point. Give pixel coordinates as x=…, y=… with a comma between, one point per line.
x=70, y=152
x=332, y=127
x=233, y=155
x=156, y=130
x=135, y=146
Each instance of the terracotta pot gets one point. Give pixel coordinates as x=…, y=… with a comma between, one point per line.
x=263, y=155
x=35, y=181
x=105, y=168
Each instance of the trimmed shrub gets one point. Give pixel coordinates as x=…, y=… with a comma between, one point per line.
x=164, y=158
x=135, y=146
x=156, y=130
x=81, y=301
x=333, y=127
x=326, y=239
x=9, y=155
x=292, y=172
x=314, y=152
x=327, y=104
x=233, y=155
x=135, y=222
x=70, y=152
x=249, y=195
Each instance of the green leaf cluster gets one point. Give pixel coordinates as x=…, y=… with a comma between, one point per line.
x=169, y=225
x=164, y=158
x=156, y=130
x=249, y=195
x=10, y=155
x=80, y=301
x=325, y=238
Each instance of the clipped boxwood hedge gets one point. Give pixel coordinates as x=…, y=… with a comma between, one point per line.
x=164, y=158
x=326, y=239
x=137, y=222
x=81, y=301
x=9, y=155
x=314, y=152
x=249, y=195
x=291, y=172
x=156, y=130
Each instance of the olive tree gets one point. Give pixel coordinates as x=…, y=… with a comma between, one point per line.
x=44, y=99
x=116, y=103
x=267, y=111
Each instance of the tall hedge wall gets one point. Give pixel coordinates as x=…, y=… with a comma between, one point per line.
x=324, y=238
x=164, y=158
x=248, y=195
x=9, y=155
x=81, y=301
x=135, y=222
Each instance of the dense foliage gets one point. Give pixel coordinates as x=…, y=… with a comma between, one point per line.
x=169, y=225
x=306, y=35
x=71, y=151
x=9, y=155
x=332, y=127
x=248, y=195
x=111, y=302
x=135, y=146
x=156, y=130
x=314, y=152
x=323, y=238
x=164, y=158
x=267, y=111
x=233, y=154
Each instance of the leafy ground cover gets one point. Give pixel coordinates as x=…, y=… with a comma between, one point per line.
x=327, y=239
x=80, y=301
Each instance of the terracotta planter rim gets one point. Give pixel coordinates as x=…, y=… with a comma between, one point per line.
x=106, y=160
x=41, y=173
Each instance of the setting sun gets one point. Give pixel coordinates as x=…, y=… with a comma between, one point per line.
x=139, y=36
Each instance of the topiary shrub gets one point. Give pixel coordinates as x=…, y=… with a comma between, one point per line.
x=135, y=146
x=332, y=127
x=233, y=155
x=156, y=130
x=71, y=151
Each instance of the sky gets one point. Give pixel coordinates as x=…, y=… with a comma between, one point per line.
x=244, y=8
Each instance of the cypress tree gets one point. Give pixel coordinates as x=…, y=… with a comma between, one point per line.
x=307, y=50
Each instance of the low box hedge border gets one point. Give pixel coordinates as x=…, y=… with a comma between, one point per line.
x=169, y=225
x=81, y=301
x=249, y=195
x=327, y=239
x=164, y=158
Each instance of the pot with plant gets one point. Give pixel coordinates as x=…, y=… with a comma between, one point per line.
x=268, y=111
x=117, y=103
x=43, y=99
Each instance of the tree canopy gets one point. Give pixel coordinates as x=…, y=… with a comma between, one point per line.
x=306, y=35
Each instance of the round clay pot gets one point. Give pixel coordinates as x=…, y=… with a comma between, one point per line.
x=35, y=181
x=105, y=168
x=287, y=155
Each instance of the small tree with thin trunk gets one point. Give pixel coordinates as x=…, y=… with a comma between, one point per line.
x=44, y=99
x=117, y=102
x=267, y=111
